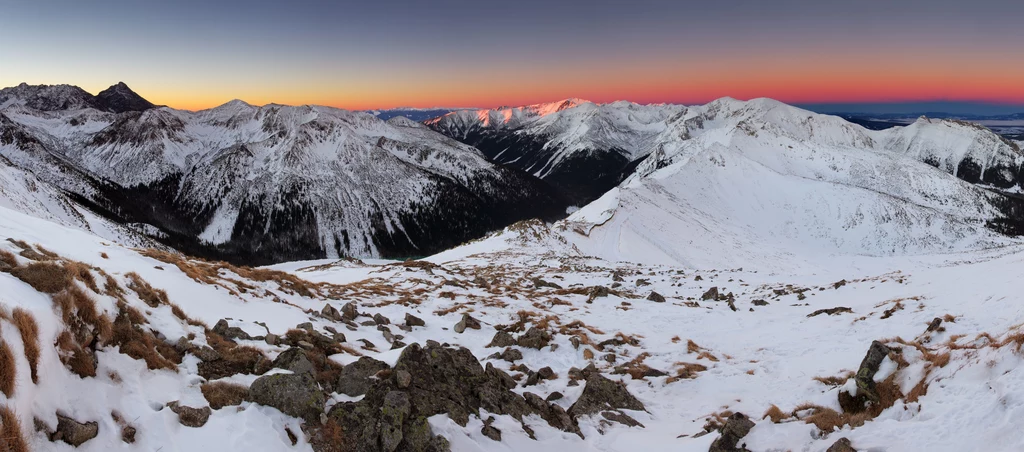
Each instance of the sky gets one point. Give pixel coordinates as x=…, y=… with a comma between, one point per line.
x=382, y=54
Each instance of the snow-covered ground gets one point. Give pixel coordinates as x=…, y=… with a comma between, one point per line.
x=752, y=357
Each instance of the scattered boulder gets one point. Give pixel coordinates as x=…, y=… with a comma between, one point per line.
x=710, y=294
x=491, y=432
x=502, y=339
x=307, y=326
x=554, y=396
x=411, y=320
x=230, y=332
x=190, y=416
x=841, y=445
x=296, y=395
x=735, y=428
x=759, y=303
x=271, y=339
x=642, y=282
x=617, y=276
x=540, y=283
x=295, y=360
x=380, y=319
x=331, y=313
x=534, y=338
x=467, y=322
x=865, y=379
x=602, y=394
x=656, y=297
x=839, y=284
x=935, y=324
x=403, y=379
x=511, y=355
x=596, y=292
x=355, y=377
x=349, y=311
x=831, y=311
x=73, y=432
x=622, y=418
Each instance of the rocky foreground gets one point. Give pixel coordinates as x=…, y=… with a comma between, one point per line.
x=515, y=342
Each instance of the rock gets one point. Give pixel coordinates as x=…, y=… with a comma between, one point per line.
x=232, y=332
x=411, y=320
x=397, y=345
x=610, y=357
x=339, y=337
x=271, y=339
x=128, y=434
x=380, y=319
x=617, y=276
x=183, y=345
x=841, y=445
x=642, y=282
x=355, y=377
x=308, y=326
x=656, y=297
x=534, y=338
x=190, y=416
x=554, y=396
x=293, y=394
x=698, y=278
x=839, y=284
x=73, y=432
x=532, y=379
x=349, y=311
x=467, y=322
x=935, y=324
x=865, y=379
x=306, y=345
x=573, y=383
x=403, y=378
x=553, y=414
x=711, y=294
x=443, y=380
x=511, y=355
x=831, y=311
x=331, y=313
x=545, y=373
x=575, y=341
x=733, y=431
x=491, y=432
x=540, y=283
x=602, y=394
x=295, y=360
x=759, y=303
x=622, y=418
x=393, y=415
x=596, y=292
x=502, y=339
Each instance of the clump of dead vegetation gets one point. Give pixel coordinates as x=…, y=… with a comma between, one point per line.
x=29, y=331
x=8, y=370
x=221, y=394
x=216, y=273
x=11, y=437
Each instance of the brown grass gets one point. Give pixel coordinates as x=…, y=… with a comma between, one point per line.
x=775, y=414
x=686, y=371
x=45, y=277
x=83, y=273
x=8, y=370
x=151, y=296
x=835, y=380
x=75, y=358
x=7, y=261
x=11, y=438
x=133, y=341
x=30, y=338
x=208, y=272
x=708, y=356
x=329, y=437
x=827, y=419
x=221, y=394
x=692, y=347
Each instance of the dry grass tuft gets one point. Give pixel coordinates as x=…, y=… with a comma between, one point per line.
x=828, y=420
x=7, y=261
x=11, y=438
x=692, y=347
x=835, y=380
x=207, y=272
x=775, y=414
x=46, y=277
x=133, y=341
x=222, y=394
x=77, y=359
x=83, y=273
x=686, y=371
x=151, y=296
x=29, y=337
x=8, y=370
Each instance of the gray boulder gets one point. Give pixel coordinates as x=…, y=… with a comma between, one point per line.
x=296, y=395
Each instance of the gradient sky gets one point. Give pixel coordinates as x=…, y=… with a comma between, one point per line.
x=378, y=54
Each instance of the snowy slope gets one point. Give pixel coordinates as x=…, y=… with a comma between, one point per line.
x=750, y=183
x=581, y=147
x=273, y=183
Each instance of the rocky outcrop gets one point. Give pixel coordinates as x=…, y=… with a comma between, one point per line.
x=735, y=428
x=865, y=379
x=355, y=377
x=296, y=395
x=602, y=394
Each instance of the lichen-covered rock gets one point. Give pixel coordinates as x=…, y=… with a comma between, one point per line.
x=73, y=432
x=735, y=428
x=295, y=360
x=230, y=332
x=293, y=394
x=865, y=379
x=190, y=416
x=355, y=377
x=602, y=394
x=534, y=338
x=502, y=339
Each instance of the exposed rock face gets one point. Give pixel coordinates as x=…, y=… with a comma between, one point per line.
x=73, y=432
x=293, y=394
x=602, y=394
x=295, y=360
x=189, y=416
x=734, y=430
x=120, y=99
x=355, y=377
x=865, y=379
x=428, y=381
